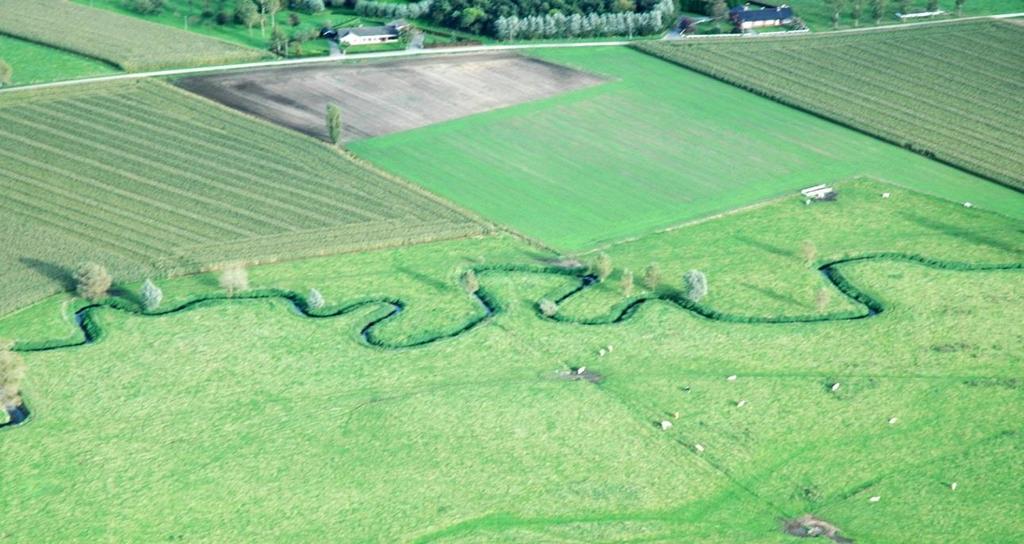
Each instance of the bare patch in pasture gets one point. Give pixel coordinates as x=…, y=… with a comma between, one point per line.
x=808, y=526
x=383, y=97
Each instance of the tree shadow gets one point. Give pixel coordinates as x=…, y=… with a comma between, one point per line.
x=962, y=233
x=765, y=246
x=55, y=272
x=776, y=295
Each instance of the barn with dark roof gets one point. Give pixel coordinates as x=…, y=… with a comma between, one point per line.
x=746, y=18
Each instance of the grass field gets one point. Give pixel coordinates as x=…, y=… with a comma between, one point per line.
x=658, y=146
x=127, y=42
x=295, y=430
x=819, y=18
x=949, y=91
x=149, y=179
x=35, y=63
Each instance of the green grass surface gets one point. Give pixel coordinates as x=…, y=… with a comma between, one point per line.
x=148, y=179
x=35, y=63
x=243, y=421
x=949, y=91
x=818, y=16
x=655, y=146
x=127, y=42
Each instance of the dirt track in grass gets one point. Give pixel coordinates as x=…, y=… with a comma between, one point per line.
x=385, y=97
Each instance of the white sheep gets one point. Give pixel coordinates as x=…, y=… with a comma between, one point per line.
x=609, y=348
x=666, y=425
x=601, y=353
x=731, y=378
x=885, y=195
x=698, y=447
x=581, y=370
x=741, y=404
x=893, y=420
x=876, y=498
x=835, y=387
x=968, y=205
x=952, y=486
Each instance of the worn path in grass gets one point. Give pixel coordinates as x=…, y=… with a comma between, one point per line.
x=242, y=421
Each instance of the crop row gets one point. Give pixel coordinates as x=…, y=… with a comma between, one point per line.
x=953, y=93
x=148, y=179
x=127, y=42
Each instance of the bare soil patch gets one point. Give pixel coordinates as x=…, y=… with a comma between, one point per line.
x=384, y=97
x=808, y=526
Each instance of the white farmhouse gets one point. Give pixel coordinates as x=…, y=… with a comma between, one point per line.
x=364, y=35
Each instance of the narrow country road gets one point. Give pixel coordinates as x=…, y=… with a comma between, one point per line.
x=442, y=51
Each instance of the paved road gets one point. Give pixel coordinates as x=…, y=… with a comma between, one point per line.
x=312, y=60
x=434, y=51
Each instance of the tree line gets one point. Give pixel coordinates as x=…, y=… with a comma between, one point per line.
x=577, y=25
x=391, y=10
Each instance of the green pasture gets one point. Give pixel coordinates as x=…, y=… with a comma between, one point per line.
x=949, y=91
x=35, y=63
x=653, y=147
x=244, y=421
x=818, y=16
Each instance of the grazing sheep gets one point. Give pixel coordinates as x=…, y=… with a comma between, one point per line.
x=885, y=195
x=876, y=498
x=609, y=348
x=968, y=205
x=581, y=370
x=675, y=415
x=698, y=447
x=741, y=404
x=731, y=378
x=601, y=353
x=666, y=425
x=952, y=486
x=893, y=420
x=835, y=387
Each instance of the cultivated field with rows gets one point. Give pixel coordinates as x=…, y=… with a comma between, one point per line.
x=148, y=179
x=953, y=92
x=127, y=42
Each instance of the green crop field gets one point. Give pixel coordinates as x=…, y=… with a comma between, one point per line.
x=951, y=91
x=127, y=42
x=35, y=63
x=656, y=146
x=149, y=179
x=245, y=420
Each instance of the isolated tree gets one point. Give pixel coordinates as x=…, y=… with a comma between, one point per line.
x=268, y=7
x=151, y=295
x=821, y=299
x=334, y=123
x=627, y=283
x=6, y=73
x=247, y=13
x=278, y=42
x=315, y=300
x=652, y=277
x=878, y=8
x=809, y=252
x=857, y=11
x=836, y=8
x=92, y=281
x=547, y=307
x=959, y=7
x=696, y=283
x=234, y=278
x=602, y=267
x=470, y=282
x=12, y=371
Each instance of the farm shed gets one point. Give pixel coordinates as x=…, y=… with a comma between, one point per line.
x=372, y=34
x=745, y=18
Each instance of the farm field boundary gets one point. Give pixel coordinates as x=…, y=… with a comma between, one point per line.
x=968, y=117
x=127, y=42
x=164, y=183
